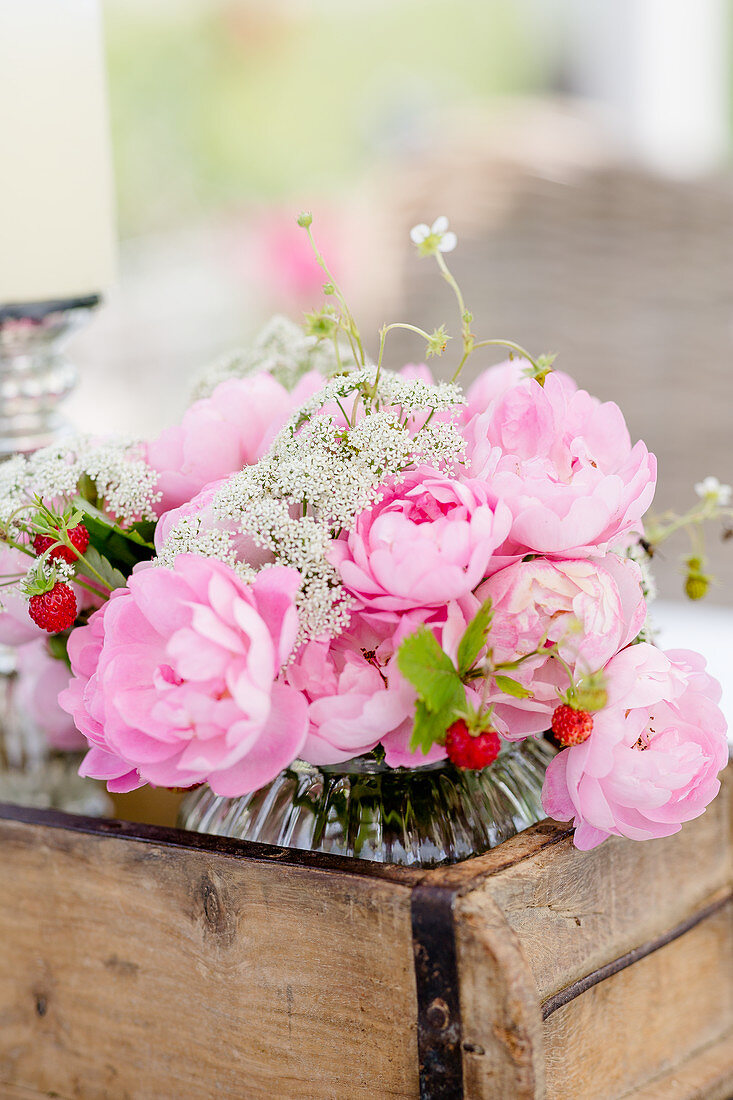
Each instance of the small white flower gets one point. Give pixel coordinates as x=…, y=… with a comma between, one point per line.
x=433, y=238
x=711, y=489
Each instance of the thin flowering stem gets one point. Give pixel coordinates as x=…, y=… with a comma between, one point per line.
x=507, y=344
x=385, y=329
x=66, y=541
x=351, y=329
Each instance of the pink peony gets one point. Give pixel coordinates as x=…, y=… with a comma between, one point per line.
x=356, y=697
x=591, y=607
x=176, y=679
x=223, y=433
x=40, y=679
x=564, y=464
x=200, y=508
x=428, y=541
x=653, y=757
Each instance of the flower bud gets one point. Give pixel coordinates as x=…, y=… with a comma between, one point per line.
x=697, y=583
x=305, y=220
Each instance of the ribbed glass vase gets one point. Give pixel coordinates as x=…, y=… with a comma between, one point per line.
x=423, y=817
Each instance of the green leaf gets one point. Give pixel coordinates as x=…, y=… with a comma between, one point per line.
x=474, y=638
x=429, y=727
x=57, y=646
x=93, y=560
x=124, y=547
x=512, y=687
x=430, y=671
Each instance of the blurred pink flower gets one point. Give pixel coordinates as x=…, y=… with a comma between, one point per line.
x=176, y=679
x=16, y=626
x=563, y=463
x=41, y=678
x=429, y=540
x=652, y=759
x=223, y=433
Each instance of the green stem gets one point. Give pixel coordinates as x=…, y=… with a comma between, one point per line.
x=353, y=329
x=507, y=344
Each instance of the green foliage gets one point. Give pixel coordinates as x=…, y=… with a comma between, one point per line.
x=123, y=548
x=94, y=566
x=430, y=671
x=512, y=687
x=474, y=638
x=441, y=694
x=429, y=727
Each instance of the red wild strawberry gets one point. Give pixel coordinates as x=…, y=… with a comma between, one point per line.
x=78, y=536
x=471, y=751
x=54, y=610
x=571, y=727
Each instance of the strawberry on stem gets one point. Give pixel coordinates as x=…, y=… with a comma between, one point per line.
x=54, y=610
x=78, y=537
x=471, y=750
x=571, y=726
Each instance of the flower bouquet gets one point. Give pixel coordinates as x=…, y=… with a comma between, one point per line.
x=358, y=610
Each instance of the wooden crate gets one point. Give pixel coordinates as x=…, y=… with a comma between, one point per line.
x=143, y=962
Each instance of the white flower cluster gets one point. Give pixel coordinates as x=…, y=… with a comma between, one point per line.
x=282, y=349
x=123, y=482
x=319, y=474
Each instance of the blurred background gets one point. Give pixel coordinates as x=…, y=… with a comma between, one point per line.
x=580, y=148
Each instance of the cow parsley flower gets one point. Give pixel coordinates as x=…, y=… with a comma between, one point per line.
x=433, y=238
x=710, y=489
x=123, y=483
x=282, y=349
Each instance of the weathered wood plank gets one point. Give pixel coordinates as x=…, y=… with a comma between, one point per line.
x=574, y=911
x=131, y=970
x=708, y=1075
x=613, y=1039
x=502, y=1022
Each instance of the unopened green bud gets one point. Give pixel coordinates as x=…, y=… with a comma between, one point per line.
x=697, y=583
x=305, y=220
x=329, y=288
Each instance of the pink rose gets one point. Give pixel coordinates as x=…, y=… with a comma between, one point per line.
x=428, y=541
x=223, y=433
x=41, y=678
x=564, y=464
x=176, y=679
x=652, y=759
x=591, y=607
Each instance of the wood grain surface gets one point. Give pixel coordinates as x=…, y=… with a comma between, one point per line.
x=137, y=971
x=145, y=963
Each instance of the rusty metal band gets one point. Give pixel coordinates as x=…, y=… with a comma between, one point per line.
x=438, y=1003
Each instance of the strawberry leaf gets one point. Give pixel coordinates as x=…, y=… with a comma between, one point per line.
x=474, y=638
x=512, y=687
x=429, y=727
x=430, y=671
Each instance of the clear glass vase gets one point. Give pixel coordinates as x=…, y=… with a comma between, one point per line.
x=422, y=817
x=31, y=772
